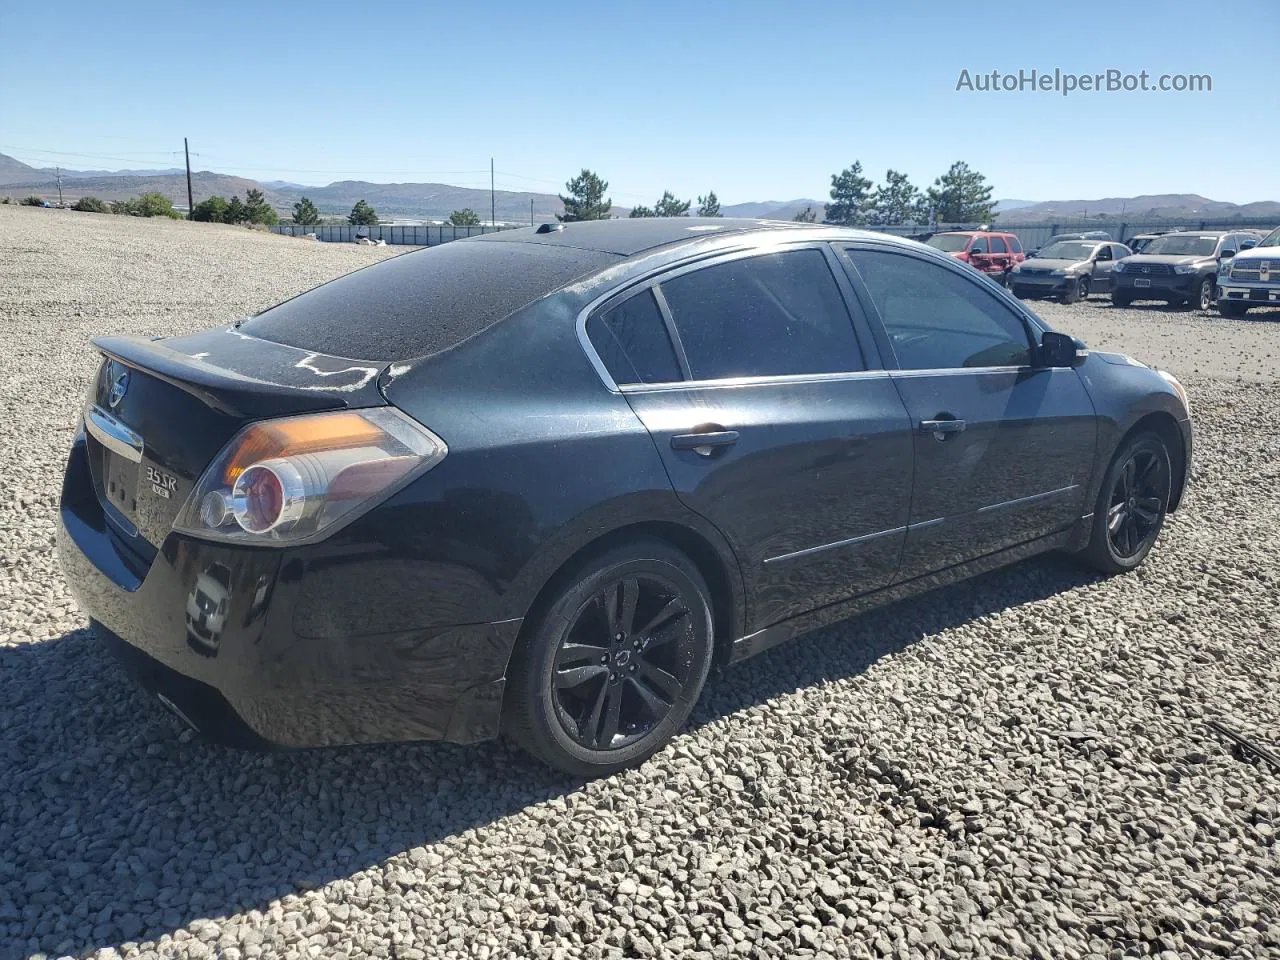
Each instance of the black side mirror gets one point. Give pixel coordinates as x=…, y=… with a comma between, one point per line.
x=1060, y=350
x=1227, y=254
x=1248, y=244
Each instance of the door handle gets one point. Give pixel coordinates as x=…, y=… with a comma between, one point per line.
x=941, y=429
x=704, y=443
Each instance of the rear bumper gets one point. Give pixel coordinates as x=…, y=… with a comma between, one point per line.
x=248, y=675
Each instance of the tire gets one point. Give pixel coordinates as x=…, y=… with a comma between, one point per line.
x=1119, y=299
x=1232, y=308
x=1202, y=299
x=1079, y=290
x=1126, y=527
x=592, y=688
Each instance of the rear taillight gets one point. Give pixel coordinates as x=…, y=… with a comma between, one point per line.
x=294, y=479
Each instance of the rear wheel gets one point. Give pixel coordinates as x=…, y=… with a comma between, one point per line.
x=1131, y=505
x=613, y=666
x=1121, y=299
x=1232, y=308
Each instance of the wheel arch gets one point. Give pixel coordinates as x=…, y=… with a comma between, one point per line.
x=1163, y=423
x=715, y=561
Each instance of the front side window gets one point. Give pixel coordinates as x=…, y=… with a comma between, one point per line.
x=937, y=319
x=631, y=339
x=779, y=314
x=979, y=245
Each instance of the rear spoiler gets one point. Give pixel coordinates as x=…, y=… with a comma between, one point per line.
x=250, y=378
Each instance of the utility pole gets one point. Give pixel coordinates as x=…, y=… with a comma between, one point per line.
x=531, y=211
x=493, y=203
x=58, y=171
x=191, y=204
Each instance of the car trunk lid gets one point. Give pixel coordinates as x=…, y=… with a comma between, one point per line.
x=160, y=410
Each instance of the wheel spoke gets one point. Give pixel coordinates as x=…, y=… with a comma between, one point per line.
x=1115, y=517
x=1126, y=478
x=578, y=652
x=665, y=683
x=630, y=594
x=673, y=610
x=608, y=728
x=577, y=676
x=656, y=706
x=1148, y=508
x=587, y=728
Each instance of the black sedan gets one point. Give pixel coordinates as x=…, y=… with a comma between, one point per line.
x=538, y=482
x=1069, y=270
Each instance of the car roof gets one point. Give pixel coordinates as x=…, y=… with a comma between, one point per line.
x=1199, y=233
x=972, y=233
x=632, y=236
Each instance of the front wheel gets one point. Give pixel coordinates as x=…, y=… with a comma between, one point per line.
x=613, y=666
x=1203, y=297
x=1131, y=505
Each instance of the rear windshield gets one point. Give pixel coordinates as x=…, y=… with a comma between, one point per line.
x=423, y=302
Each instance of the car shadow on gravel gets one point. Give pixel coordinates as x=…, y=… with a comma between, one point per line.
x=115, y=826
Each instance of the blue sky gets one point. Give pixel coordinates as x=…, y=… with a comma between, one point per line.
x=756, y=100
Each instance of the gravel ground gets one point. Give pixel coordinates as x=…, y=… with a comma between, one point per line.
x=1018, y=766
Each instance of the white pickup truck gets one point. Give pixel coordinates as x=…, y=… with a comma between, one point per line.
x=1251, y=278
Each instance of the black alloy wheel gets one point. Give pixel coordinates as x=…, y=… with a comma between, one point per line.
x=614, y=667
x=1132, y=505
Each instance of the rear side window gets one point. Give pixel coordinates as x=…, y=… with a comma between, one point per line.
x=997, y=245
x=938, y=319
x=424, y=302
x=631, y=339
x=778, y=314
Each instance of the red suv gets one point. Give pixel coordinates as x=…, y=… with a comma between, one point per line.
x=992, y=253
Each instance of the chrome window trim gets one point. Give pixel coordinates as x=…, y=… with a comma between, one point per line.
x=759, y=247
x=729, y=382
x=112, y=434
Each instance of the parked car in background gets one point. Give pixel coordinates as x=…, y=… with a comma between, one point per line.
x=1251, y=278
x=743, y=431
x=1086, y=235
x=1139, y=242
x=1177, y=268
x=994, y=254
x=1068, y=269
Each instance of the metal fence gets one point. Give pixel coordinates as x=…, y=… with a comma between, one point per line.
x=1032, y=235
x=419, y=235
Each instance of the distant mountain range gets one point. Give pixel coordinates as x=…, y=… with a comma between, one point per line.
x=1161, y=206
x=435, y=201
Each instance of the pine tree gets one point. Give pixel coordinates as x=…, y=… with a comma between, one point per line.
x=362, y=215
x=586, y=199
x=669, y=206
x=961, y=195
x=807, y=215
x=895, y=201
x=305, y=212
x=709, y=206
x=849, y=193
